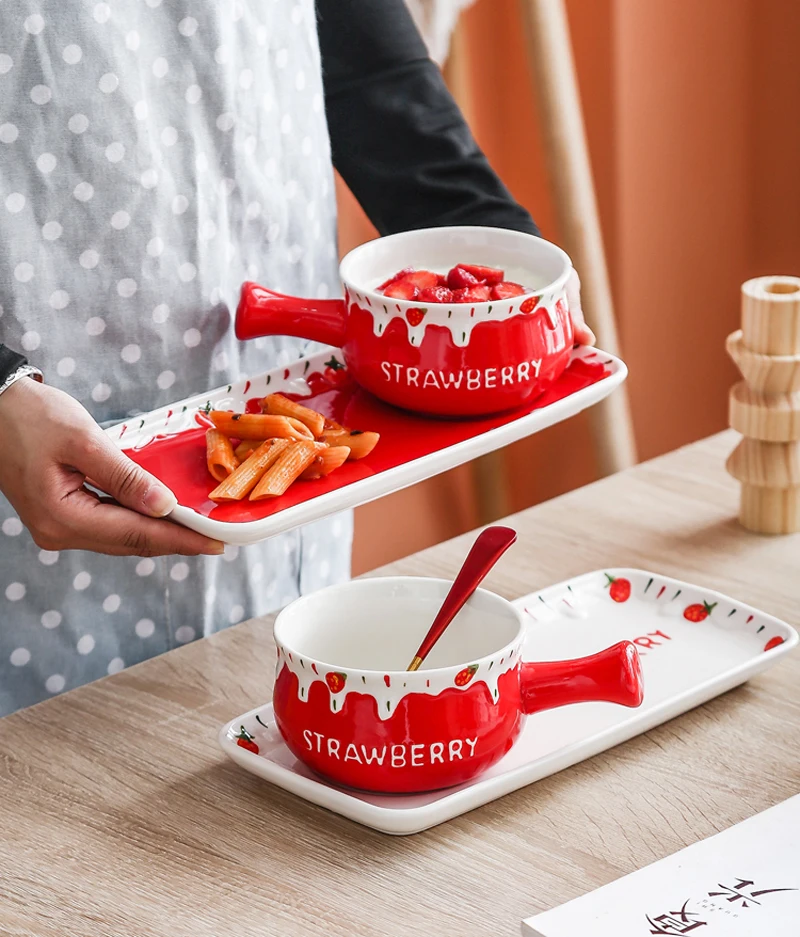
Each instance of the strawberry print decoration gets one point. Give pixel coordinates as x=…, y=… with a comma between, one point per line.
x=335, y=372
x=415, y=316
x=699, y=611
x=618, y=589
x=529, y=304
x=336, y=681
x=463, y=678
x=245, y=740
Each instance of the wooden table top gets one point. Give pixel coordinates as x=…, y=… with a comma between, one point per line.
x=121, y=816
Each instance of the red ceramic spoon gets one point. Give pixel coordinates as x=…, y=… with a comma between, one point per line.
x=486, y=551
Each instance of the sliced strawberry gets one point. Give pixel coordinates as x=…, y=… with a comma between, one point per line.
x=460, y=279
x=401, y=289
x=490, y=275
x=398, y=276
x=422, y=278
x=442, y=280
x=458, y=296
x=435, y=294
x=477, y=294
x=506, y=290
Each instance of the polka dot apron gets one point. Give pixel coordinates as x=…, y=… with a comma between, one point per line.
x=154, y=155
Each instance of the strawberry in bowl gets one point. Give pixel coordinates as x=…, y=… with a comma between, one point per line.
x=457, y=321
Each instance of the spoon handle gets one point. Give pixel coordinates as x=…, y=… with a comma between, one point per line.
x=486, y=551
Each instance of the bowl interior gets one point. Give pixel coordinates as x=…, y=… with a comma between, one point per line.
x=528, y=260
x=378, y=624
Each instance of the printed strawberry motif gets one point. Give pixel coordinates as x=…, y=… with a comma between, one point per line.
x=415, y=316
x=699, y=612
x=529, y=304
x=335, y=372
x=245, y=740
x=618, y=589
x=463, y=678
x=773, y=642
x=336, y=681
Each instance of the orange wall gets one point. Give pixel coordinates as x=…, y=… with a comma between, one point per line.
x=690, y=110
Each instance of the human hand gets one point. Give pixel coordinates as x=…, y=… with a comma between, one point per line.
x=51, y=446
x=583, y=334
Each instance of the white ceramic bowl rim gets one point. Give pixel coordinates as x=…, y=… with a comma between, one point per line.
x=281, y=627
x=352, y=258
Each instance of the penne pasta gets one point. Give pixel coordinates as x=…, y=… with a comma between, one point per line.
x=220, y=456
x=279, y=405
x=359, y=443
x=241, y=482
x=246, y=448
x=245, y=426
x=325, y=462
x=290, y=464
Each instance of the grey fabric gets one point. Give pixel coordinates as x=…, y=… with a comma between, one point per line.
x=153, y=155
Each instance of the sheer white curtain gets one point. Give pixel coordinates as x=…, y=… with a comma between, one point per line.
x=436, y=20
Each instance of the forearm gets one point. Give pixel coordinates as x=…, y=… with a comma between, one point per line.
x=398, y=137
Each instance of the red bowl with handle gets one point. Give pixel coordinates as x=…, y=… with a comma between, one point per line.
x=455, y=359
x=347, y=709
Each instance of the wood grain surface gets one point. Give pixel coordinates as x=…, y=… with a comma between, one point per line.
x=120, y=816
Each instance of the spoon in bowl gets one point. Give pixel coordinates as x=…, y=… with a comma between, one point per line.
x=491, y=544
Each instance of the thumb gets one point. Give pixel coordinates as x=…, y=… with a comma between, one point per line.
x=125, y=481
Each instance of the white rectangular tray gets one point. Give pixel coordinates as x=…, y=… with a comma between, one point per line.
x=685, y=663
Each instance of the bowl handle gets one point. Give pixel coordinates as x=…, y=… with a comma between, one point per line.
x=611, y=676
x=265, y=312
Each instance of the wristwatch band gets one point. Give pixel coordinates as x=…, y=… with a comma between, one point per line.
x=10, y=360
x=25, y=370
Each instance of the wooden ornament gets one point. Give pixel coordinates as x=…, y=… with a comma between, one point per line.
x=765, y=406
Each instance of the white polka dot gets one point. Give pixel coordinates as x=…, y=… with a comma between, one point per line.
x=95, y=326
x=187, y=26
x=144, y=628
x=300, y=80
x=111, y=603
x=127, y=287
x=8, y=133
x=306, y=146
x=184, y=634
x=294, y=253
x=115, y=665
x=19, y=657
x=187, y=272
x=193, y=94
x=261, y=35
x=286, y=123
x=72, y=54
x=6, y=63
x=130, y=354
x=145, y=567
x=132, y=40
x=46, y=162
x=41, y=94
x=141, y=110
x=160, y=67
x=211, y=595
x=257, y=572
x=24, y=272
x=161, y=313
x=85, y=644
x=273, y=231
x=221, y=55
x=15, y=591
x=236, y=614
x=253, y=210
x=231, y=552
x=102, y=12
x=207, y=230
x=59, y=299
x=89, y=259
x=220, y=361
x=78, y=123
x=267, y=102
x=48, y=557
x=120, y=220
x=282, y=58
x=316, y=102
x=252, y=272
x=12, y=526
x=149, y=179
x=179, y=204
x=108, y=83
x=34, y=24
x=15, y=202
x=65, y=367
x=101, y=392
x=169, y=136
x=245, y=79
x=115, y=151
x=155, y=247
x=226, y=185
x=55, y=683
x=153, y=3
x=51, y=619
x=225, y=122
x=83, y=191
x=191, y=338
x=165, y=380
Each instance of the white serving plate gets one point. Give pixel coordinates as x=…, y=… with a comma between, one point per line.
x=474, y=440
x=685, y=665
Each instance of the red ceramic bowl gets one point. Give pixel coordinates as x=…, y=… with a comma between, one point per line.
x=347, y=709
x=450, y=359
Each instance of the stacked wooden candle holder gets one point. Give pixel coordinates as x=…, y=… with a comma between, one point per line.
x=765, y=406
